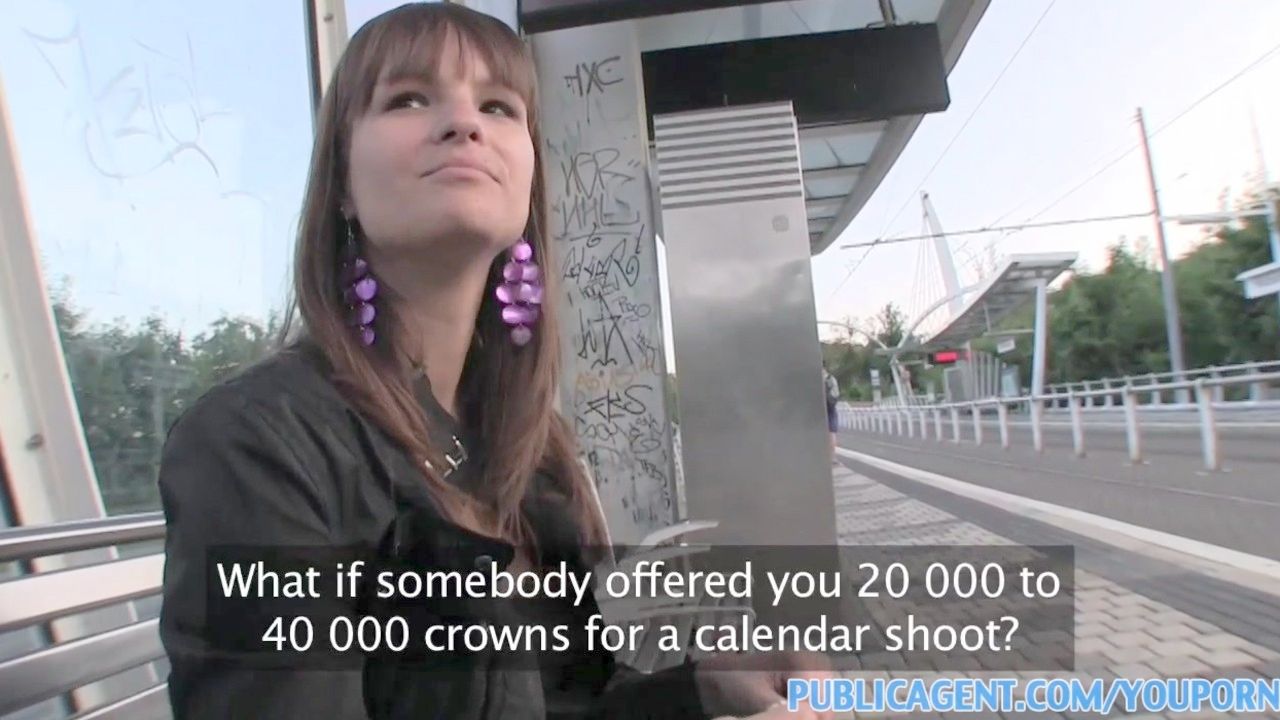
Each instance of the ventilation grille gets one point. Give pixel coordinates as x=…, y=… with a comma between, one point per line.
x=727, y=155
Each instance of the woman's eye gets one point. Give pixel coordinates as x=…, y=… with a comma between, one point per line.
x=407, y=100
x=499, y=106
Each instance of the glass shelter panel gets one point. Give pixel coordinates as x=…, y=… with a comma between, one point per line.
x=163, y=148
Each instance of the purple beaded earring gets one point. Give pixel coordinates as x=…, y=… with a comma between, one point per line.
x=521, y=293
x=361, y=289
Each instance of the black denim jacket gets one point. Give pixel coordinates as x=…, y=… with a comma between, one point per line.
x=277, y=457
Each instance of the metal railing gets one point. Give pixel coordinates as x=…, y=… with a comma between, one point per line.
x=1153, y=388
x=914, y=400
x=54, y=669
x=59, y=592
x=1207, y=392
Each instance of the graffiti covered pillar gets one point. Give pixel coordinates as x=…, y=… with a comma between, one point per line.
x=595, y=164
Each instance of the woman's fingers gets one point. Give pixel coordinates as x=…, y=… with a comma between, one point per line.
x=778, y=711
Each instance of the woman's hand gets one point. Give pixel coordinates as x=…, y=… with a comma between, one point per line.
x=746, y=684
x=778, y=711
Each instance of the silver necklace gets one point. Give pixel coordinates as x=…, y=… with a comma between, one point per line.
x=454, y=457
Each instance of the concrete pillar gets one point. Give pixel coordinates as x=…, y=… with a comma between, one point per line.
x=751, y=404
x=1040, y=341
x=595, y=164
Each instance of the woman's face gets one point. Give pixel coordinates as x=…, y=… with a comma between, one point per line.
x=443, y=162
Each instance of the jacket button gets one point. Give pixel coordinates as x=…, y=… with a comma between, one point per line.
x=483, y=562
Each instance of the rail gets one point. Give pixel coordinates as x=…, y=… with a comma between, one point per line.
x=1154, y=389
x=56, y=661
x=57, y=603
x=1207, y=392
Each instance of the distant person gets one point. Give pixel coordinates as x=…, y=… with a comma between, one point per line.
x=833, y=418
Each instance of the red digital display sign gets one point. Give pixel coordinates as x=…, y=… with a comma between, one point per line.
x=946, y=357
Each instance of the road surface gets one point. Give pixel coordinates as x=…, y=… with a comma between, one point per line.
x=1237, y=507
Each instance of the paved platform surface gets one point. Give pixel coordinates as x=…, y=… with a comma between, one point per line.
x=1237, y=508
x=1135, y=616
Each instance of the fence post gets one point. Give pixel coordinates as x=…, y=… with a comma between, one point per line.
x=898, y=417
x=911, y=427
x=1107, y=399
x=1208, y=428
x=1131, y=428
x=1259, y=391
x=1219, y=391
x=977, y=424
x=1156, y=398
x=1077, y=425
x=1002, y=413
x=937, y=424
x=1037, y=431
x=955, y=424
x=1181, y=396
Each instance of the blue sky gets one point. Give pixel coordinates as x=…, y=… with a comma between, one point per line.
x=1063, y=109
x=163, y=148
x=164, y=144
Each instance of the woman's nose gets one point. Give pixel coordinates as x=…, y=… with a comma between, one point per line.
x=460, y=123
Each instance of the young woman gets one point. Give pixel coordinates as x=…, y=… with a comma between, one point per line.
x=410, y=411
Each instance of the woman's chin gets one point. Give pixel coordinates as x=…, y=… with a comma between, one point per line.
x=476, y=221
x=457, y=240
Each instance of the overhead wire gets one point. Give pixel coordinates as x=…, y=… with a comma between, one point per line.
x=1160, y=128
x=1027, y=224
x=999, y=228
x=1009, y=63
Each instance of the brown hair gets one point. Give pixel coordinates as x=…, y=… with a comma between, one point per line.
x=506, y=393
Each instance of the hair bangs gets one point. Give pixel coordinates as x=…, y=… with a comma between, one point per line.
x=412, y=43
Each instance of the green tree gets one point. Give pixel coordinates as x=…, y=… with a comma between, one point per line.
x=227, y=346
x=1107, y=324
x=1111, y=323
x=1220, y=326
x=891, y=324
x=131, y=383
x=852, y=360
